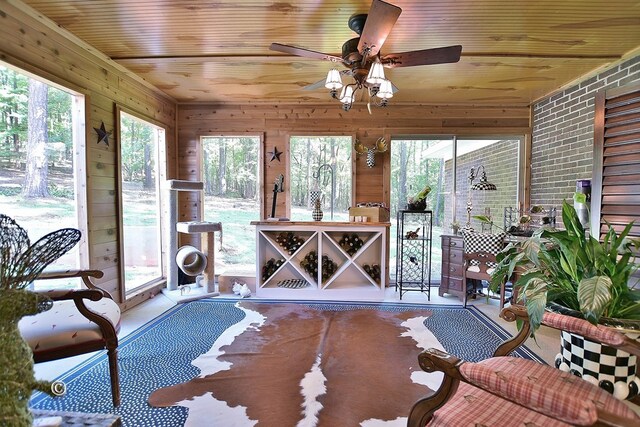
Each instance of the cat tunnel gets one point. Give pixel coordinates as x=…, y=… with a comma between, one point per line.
x=191, y=260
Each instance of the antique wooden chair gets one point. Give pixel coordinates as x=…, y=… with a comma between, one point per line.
x=505, y=390
x=80, y=321
x=479, y=261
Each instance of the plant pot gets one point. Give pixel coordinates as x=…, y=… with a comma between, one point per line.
x=609, y=368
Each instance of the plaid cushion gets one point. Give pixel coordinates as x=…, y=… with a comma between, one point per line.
x=472, y=406
x=582, y=327
x=563, y=383
x=530, y=394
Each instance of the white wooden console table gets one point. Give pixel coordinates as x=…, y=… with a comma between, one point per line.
x=360, y=274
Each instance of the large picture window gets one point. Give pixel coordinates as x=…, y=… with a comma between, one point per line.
x=42, y=162
x=141, y=148
x=321, y=164
x=232, y=196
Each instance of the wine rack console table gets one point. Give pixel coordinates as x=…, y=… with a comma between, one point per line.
x=292, y=256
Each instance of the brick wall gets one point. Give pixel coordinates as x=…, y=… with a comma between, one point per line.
x=562, y=140
x=500, y=161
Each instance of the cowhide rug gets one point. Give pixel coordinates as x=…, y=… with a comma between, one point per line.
x=295, y=365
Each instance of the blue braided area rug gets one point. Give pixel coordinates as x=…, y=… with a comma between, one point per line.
x=159, y=354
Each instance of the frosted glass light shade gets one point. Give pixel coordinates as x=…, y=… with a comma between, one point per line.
x=346, y=96
x=376, y=74
x=334, y=81
x=385, y=91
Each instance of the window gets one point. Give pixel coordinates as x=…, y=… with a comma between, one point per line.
x=420, y=161
x=232, y=196
x=142, y=146
x=322, y=164
x=41, y=155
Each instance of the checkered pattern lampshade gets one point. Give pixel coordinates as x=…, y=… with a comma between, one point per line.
x=483, y=185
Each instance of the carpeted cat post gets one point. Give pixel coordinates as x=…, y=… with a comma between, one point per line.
x=20, y=264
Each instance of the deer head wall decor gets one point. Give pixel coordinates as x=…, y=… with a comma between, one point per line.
x=379, y=147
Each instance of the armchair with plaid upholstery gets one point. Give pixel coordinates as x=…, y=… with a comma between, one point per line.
x=511, y=391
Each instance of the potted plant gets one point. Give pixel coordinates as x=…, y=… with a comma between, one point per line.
x=568, y=271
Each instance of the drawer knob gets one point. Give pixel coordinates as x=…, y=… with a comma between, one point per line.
x=452, y=269
x=454, y=256
x=454, y=244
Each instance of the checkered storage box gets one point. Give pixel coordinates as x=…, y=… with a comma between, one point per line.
x=612, y=369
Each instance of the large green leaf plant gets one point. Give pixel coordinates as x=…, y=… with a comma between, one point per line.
x=572, y=269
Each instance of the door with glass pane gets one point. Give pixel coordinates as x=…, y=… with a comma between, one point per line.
x=456, y=194
x=140, y=145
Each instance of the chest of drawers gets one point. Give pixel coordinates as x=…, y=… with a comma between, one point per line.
x=452, y=261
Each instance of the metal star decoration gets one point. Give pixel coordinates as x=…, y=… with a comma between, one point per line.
x=103, y=135
x=275, y=154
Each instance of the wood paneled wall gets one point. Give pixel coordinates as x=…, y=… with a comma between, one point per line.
x=276, y=123
x=36, y=45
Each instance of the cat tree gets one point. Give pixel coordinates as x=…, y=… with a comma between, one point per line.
x=191, y=260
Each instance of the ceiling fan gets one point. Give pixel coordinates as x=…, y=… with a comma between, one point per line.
x=363, y=60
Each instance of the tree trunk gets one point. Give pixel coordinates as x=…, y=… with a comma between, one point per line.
x=36, y=174
x=208, y=190
x=402, y=178
x=148, y=169
x=438, y=195
x=222, y=183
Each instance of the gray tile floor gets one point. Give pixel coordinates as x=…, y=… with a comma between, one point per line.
x=546, y=345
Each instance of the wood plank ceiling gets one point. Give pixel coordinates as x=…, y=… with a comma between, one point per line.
x=514, y=52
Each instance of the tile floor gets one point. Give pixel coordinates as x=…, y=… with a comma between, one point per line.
x=546, y=345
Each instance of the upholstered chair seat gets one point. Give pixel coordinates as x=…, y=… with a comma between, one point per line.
x=64, y=327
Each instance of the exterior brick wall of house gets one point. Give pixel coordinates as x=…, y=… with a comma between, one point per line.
x=562, y=140
x=500, y=161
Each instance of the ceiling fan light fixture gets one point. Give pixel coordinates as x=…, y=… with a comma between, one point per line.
x=376, y=73
x=386, y=90
x=334, y=81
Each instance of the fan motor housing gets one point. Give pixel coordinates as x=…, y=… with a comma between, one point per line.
x=350, y=52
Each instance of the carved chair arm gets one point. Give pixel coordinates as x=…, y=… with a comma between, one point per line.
x=94, y=293
x=73, y=294
x=433, y=360
x=85, y=275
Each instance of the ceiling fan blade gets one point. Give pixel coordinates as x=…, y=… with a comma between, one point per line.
x=298, y=51
x=317, y=85
x=439, y=55
x=380, y=20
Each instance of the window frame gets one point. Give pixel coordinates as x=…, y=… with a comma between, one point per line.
x=162, y=163
x=79, y=135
